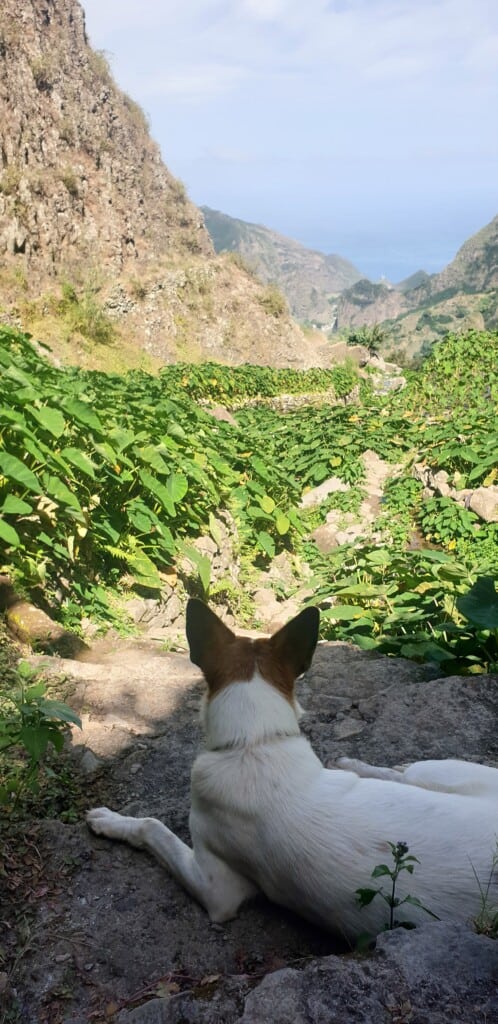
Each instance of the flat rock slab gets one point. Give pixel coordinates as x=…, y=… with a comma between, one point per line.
x=124, y=942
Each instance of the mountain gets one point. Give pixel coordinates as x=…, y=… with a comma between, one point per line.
x=424, y=307
x=310, y=280
x=102, y=255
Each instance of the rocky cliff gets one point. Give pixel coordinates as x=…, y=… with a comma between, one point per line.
x=87, y=202
x=310, y=280
x=463, y=295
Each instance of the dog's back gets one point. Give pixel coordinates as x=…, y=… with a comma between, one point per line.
x=309, y=837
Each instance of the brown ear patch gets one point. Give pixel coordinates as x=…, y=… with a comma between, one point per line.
x=205, y=632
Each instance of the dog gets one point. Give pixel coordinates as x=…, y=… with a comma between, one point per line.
x=267, y=816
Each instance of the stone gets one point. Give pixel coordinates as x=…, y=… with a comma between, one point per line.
x=437, y=974
x=348, y=727
x=318, y=494
x=89, y=763
x=33, y=626
x=484, y=502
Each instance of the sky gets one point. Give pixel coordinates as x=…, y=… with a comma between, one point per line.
x=366, y=128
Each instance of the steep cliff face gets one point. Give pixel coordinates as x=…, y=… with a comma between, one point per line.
x=81, y=176
x=86, y=199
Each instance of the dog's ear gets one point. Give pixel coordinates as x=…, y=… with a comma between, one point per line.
x=295, y=643
x=205, y=633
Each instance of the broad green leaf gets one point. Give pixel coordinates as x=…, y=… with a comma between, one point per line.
x=267, y=503
x=16, y=506
x=9, y=535
x=82, y=413
x=33, y=693
x=151, y=456
x=343, y=611
x=365, y=896
x=381, y=869
x=177, y=486
x=35, y=738
x=282, y=523
x=58, y=490
x=56, y=709
x=266, y=543
x=144, y=571
x=79, y=459
x=14, y=469
x=49, y=418
x=158, y=490
x=480, y=604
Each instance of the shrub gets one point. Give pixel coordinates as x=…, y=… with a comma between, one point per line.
x=273, y=302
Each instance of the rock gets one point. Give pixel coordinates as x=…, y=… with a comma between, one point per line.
x=325, y=537
x=273, y=614
x=33, y=626
x=318, y=494
x=221, y=413
x=348, y=727
x=484, y=502
x=89, y=763
x=437, y=974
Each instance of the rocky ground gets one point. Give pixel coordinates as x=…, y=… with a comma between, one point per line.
x=111, y=937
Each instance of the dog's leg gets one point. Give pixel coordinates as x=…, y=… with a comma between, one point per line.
x=218, y=888
x=368, y=771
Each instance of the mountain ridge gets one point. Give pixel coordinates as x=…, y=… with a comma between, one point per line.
x=309, y=279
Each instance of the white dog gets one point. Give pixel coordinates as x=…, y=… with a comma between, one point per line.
x=266, y=815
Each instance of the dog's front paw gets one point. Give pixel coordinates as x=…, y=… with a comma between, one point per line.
x=108, y=823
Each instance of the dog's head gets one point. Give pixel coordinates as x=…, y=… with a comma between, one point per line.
x=226, y=658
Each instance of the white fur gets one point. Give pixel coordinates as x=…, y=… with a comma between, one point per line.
x=267, y=815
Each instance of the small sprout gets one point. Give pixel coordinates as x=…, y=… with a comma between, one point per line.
x=403, y=861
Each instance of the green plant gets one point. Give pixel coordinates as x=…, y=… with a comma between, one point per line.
x=372, y=338
x=445, y=521
x=43, y=70
x=135, y=113
x=402, y=861
x=70, y=181
x=84, y=314
x=30, y=721
x=10, y=180
x=486, y=921
x=273, y=302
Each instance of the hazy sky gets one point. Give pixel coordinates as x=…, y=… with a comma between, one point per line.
x=362, y=127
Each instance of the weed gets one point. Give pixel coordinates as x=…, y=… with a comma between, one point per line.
x=273, y=302
x=29, y=721
x=137, y=116
x=85, y=315
x=10, y=180
x=70, y=181
x=486, y=922
x=138, y=289
x=43, y=71
x=402, y=861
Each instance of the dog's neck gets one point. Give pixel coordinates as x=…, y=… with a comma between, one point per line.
x=249, y=713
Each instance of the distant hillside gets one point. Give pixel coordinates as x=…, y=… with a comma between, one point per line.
x=310, y=280
x=413, y=281
x=102, y=255
x=423, y=308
